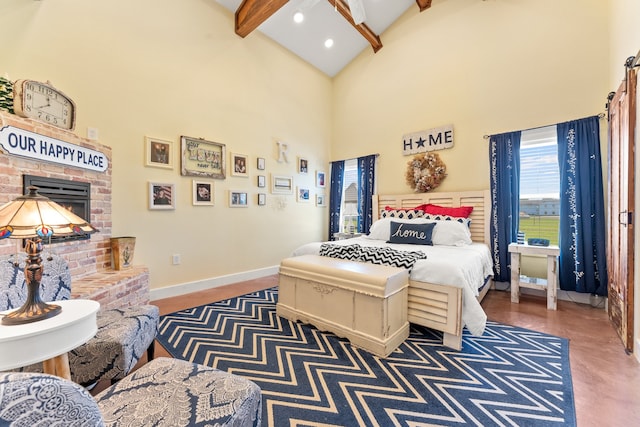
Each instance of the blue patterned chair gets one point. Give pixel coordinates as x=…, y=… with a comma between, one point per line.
x=123, y=334
x=164, y=392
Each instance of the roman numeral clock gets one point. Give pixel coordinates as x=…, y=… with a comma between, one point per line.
x=42, y=102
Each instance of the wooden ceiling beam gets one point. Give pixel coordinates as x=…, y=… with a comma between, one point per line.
x=363, y=29
x=424, y=4
x=252, y=13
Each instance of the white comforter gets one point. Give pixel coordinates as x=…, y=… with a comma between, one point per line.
x=466, y=267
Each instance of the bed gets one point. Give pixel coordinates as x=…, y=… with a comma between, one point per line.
x=445, y=298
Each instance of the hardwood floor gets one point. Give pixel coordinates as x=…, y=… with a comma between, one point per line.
x=606, y=380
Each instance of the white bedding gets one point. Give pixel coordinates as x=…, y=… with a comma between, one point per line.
x=466, y=267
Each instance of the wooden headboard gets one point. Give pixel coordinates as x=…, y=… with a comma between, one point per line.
x=480, y=200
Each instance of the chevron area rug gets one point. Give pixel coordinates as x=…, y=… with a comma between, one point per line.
x=508, y=377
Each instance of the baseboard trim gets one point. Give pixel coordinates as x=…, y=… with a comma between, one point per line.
x=213, y=282
x=577, y=297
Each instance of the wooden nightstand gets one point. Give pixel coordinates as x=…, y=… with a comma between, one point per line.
x=518, y=281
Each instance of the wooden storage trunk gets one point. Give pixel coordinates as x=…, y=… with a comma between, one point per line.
x=365, y=303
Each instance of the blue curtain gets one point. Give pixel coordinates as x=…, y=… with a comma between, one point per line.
x=583, y=262
x=504, y=157
x=335, y=197
x=366, y=181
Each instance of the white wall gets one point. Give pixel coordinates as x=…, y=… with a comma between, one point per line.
x=163, y=68
x=484, y=66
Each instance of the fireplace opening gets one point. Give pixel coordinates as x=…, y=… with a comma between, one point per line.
x=73, y=195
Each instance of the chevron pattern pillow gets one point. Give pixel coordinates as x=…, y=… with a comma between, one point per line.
x=392, y=257
x=348, y=252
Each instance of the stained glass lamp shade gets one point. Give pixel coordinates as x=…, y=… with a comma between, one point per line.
x=35, y=217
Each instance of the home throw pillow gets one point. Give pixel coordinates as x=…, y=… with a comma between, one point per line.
x=413, y=234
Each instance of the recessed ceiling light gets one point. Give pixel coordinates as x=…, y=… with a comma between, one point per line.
x=298, y=17
x=328, y=43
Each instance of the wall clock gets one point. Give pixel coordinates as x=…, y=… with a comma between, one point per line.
x=42, y=102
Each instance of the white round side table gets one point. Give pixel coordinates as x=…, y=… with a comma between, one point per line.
x=49, y=340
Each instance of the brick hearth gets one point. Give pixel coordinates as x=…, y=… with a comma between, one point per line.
x=89, y=260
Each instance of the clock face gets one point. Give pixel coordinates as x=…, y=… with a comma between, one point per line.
x=44, y=103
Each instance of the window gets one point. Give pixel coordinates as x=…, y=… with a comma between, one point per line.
x=349, y=204
x=540, y=184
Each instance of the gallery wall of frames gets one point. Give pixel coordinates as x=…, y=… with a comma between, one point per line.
x=207, y=162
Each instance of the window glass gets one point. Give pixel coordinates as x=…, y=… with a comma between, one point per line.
x=349, y=208
x=540, y=184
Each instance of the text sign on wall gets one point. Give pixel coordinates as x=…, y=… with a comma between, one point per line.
x=40, y=147
x=427, y=140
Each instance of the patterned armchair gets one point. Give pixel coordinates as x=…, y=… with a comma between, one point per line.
x=123, y=334
x=164, y=392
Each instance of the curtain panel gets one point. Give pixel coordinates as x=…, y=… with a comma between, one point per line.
x=366, y=183
x=504, y=158
x=583, y=262
x=335, y=196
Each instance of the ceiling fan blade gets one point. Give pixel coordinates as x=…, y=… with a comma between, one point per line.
x=356, y=8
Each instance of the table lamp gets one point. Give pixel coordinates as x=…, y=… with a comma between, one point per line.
x=34, y=217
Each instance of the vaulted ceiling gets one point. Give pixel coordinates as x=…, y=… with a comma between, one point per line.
x=323, y=19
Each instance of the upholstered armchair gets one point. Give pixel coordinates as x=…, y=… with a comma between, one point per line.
x=164, y=392
x=123, y=334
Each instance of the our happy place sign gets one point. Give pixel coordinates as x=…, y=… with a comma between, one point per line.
x=25, y=143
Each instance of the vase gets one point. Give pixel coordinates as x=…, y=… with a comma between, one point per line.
x=122, y=251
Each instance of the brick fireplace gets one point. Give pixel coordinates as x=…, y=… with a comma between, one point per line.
x=90, y=259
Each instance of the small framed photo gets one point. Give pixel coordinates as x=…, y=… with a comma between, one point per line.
x=202, y=158
x=262, y=199
x=162, y=196
x=320, y=179
x=239, y=165
x=262, y=181
x=320, y=200
x=261, y=163
x=238, y=199
x=281, y=184
x=202, y=193
x=303, y=165
x=303, y=194
x=158, y=153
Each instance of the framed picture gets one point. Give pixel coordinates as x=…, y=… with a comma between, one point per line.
x=239, y=165
x=261, y=163
x=162, y=196
x=281, y=184
x=303, y=165
x=262, y=199
x=203, y=158
x=303, y=194
x=320, y=179
x=158, y=153
x=238, y=199
x=320, y=200
x=262, y=181
x=202, y=193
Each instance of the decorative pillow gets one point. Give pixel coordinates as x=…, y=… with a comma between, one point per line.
x=462, y=211
x=381, y=229
x=413, y=234
x=390, y=212
x=392, y=257
x=465, y=221
x=348, y=252
x=451, y=233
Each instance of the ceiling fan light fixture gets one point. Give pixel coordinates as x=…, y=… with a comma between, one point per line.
x=328, y=43
x=298, y=17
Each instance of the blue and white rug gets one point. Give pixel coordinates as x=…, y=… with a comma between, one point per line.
x=508, y=377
